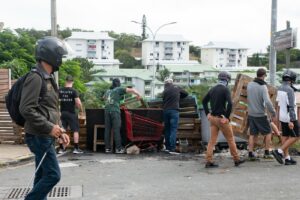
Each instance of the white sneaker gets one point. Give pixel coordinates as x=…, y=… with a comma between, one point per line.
x=120, y=151
x=77, y=151
x=61, y=151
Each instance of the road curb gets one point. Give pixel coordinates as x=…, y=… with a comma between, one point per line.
x=16, y=161
x=25, y=158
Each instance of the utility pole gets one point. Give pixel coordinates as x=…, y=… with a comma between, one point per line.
x=53, y=19
x=272, y=57
x=287, y=51
x=54, y=29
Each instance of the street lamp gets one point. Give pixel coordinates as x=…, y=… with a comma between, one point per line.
x=153, y=48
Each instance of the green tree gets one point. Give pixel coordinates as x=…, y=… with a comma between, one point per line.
x=127, y=60
x=16, y=47
x=94, y=95
x=72, y=68
x=199, y=91
x=195, y=51
x=162, y=74
x=17, y=66
x=85, y=66
x=125, y=41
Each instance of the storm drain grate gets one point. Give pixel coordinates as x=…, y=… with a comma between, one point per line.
x=60, y=192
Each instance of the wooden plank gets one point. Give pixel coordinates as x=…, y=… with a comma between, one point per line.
x=186, y=127
x=189, y=136
x=185, y=109
x=186, y=120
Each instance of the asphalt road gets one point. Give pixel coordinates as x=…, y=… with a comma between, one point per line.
x=168, y=177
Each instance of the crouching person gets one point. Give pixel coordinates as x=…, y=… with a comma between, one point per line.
x=218, y=97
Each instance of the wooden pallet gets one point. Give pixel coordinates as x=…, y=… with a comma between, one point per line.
x=239, y=115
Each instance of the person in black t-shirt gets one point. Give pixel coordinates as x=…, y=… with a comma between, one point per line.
x=69, y=99
x=171, y=96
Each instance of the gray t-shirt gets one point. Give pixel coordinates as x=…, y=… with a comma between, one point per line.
x=258, y=100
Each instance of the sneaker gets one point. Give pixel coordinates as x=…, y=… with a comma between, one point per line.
x=61, y=151
x=174, y=153
x=278, y=156
x=166, y=150
x=253, y=158
x=120, y=151
x=108, y=151
x=77, y=151
x=211, y=165
x=268, y=156
x=290, y=162
x=238, y=162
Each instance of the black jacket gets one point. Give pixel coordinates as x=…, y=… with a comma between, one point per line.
x=220, y=101
x=171, y=96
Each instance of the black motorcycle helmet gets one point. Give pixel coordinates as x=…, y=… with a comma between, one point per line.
x=224, y=76
x=289, y=75
x=51, y=51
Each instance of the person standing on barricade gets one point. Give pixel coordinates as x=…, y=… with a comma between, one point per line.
x=42, y=124
x=221, y=106
x=171, y=96
x=112, y=114
x=258, y=100
x=288, y=118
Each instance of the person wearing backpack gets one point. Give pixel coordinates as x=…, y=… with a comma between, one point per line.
x=41, y=113
x=112, y=114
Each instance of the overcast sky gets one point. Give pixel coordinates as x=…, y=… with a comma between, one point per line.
x=246, y=22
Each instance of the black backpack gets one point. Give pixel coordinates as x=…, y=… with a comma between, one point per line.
x=13, y=98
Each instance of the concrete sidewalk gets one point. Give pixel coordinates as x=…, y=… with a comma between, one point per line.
x=11, y=154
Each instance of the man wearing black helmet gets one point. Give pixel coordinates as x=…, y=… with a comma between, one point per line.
x=219, y=96
x=288, y=118
x=112, y=114
x=42, y=116
x=258, y=101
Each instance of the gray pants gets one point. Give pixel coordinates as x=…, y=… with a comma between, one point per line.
x=112, y=122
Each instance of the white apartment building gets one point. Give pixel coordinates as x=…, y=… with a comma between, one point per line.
x=98, y=47
x=140, y=79
x=168, y=49
x=224, y=55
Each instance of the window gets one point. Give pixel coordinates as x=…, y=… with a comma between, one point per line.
x=156, y=44
x=222, y=51
x=78, y=44
x=178, y=44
